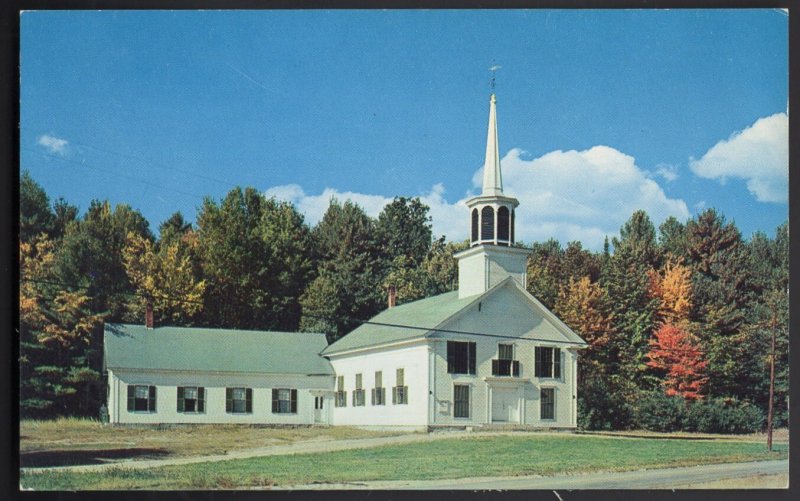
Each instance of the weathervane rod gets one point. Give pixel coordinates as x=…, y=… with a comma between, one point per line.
x=494, y=69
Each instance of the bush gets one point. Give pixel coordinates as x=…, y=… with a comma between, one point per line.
x=600, y=409
x=724, y=415
x=655, y=411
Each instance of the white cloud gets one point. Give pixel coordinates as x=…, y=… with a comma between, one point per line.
x=759, y=154
x=572, y=195
x=667, y=171
x=53, y=144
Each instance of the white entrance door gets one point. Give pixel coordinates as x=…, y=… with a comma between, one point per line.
x=319, y=411
x=505, y=405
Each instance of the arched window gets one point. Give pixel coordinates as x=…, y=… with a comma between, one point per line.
x=512, y=226
x=503, y=221
x=474, y=225
x=487, y=223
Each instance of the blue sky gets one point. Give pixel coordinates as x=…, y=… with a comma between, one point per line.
x=599, y=112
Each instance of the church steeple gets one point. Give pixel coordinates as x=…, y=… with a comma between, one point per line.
x=491, y=257
x=491, y=212
x=492, y=176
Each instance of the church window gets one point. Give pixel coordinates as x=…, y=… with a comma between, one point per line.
x=141, y=398
x=503, y=222
x=358, y=393
x=461, y=400
x=341, y=395
x=191, y=399
x=284, y=401
x=378, y=392
x=487, y=223
x=547, y=362
x=548, y=404
x=239, y=400
x=512, y=225
x=460, y=357
x=400, y=390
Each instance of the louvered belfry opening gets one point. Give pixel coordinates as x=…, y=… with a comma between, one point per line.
x=474, y=232
x=503, y=223
x=487, y=223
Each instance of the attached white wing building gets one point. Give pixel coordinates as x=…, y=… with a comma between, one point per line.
x=488, y=353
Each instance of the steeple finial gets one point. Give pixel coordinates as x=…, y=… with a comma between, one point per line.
x=492, y=177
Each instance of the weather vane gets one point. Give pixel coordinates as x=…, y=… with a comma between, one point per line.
x=494, y=69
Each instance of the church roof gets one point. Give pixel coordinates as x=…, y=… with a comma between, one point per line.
x=214, y=350
x=422, y=318
x=492, y=176
x=419, y=316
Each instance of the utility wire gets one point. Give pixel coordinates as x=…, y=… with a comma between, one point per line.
x=356, y=320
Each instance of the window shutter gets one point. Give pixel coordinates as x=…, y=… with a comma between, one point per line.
x=181, y=407
x=557, y=363
x=131, y=391
x=394, y=395
x=249, y=401
x=537, y=366
x=151, y=404
x=472, y=358
x=201, y=399
x=372, y=402
x=275, y=406
x=294, y=402
x=228, y=399
x=451, y=357
x=405, y=394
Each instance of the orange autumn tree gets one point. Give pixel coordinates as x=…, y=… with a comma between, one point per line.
x=675, y=351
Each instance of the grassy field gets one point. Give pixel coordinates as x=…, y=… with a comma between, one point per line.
x=82, y=441
x=502, y=455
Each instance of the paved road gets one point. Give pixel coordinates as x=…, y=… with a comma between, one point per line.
x=664, y=478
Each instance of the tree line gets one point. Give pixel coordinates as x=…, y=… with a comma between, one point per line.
x=678, y=319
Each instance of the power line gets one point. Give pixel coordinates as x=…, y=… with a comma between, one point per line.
x=351, y=319
x=83, y=164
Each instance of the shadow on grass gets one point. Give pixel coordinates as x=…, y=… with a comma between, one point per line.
x=40, y=459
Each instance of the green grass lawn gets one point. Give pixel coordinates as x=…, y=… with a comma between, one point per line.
x=505, y=455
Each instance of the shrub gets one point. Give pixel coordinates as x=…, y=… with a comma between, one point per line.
x=600, y=409
x=724, y=415
x=655, y=411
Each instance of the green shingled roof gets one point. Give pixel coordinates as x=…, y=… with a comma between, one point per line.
x=425, y=313
x=218, y=350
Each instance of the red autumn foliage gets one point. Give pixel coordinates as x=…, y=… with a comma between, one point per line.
x=675, y=351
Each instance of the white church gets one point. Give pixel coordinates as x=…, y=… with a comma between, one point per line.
x=488, y=353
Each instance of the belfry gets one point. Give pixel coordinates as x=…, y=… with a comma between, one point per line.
x=491, y=256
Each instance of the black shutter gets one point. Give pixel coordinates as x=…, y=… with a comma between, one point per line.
x=249, y=402
x=557, y=363
x=201, y=399
x=275, y=403
x=471, y=358
x=228, y=399
x=394, y=395
x=372, y=401
x=131, y=397
x=451, y=357
x=294, y=402
x=537, y=366
x=151, y=403
x=181, y=406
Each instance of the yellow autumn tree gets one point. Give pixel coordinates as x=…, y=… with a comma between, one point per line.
x=672, y=287
x=165, y=276
x=581, y=305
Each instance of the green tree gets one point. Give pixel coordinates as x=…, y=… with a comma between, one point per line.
x=403, y=229
x=348, y=287
x=35, y=215
x=544, y=271
x=254, y=254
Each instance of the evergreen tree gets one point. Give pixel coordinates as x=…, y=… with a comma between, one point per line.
x=544, y=271
x=35, y=215
x=348, y=287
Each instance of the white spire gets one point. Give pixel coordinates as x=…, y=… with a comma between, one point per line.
x=492, y=178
